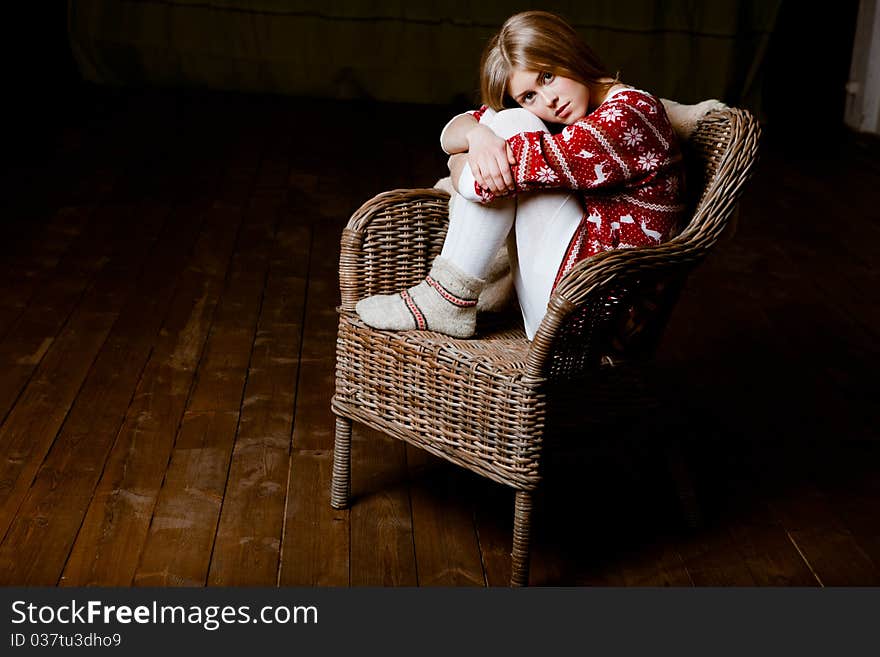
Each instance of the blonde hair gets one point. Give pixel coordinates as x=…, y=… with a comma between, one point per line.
x=537, y=41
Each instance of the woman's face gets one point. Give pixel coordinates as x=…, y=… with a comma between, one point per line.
x=552, y=98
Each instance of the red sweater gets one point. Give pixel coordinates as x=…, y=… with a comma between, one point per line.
x=624, y=158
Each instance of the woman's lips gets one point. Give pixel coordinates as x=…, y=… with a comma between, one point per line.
x=563, y=110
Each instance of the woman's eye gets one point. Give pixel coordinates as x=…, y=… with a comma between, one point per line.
x=528, y=97
x=548, y=77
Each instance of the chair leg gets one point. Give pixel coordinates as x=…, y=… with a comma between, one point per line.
x=340, y=487
x=522, y=524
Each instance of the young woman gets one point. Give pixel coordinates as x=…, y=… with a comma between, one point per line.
x=562, y=161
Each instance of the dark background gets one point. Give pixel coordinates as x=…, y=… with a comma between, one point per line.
x=806, y=68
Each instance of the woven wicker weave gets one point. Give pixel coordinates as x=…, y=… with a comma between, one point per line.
x=482, y=403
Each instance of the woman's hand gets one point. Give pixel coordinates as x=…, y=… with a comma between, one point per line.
x=490, y=158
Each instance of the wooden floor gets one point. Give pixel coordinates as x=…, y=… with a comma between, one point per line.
x=167, y=330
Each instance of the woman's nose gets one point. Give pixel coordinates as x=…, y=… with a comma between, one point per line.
x=549, y=97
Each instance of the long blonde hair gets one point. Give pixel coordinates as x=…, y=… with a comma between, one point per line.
x=537, y=41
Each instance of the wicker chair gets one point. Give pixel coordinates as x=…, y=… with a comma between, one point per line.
x=487, y=402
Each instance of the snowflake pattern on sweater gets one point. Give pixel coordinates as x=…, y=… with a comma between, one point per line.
x=625, y=160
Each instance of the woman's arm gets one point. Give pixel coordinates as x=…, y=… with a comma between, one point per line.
x=488, y=155
x=453, y=139
x=625, y=142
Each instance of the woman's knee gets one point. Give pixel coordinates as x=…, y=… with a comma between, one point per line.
x=509, y=122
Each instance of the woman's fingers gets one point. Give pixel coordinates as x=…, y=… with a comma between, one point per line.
x=490, y=158
x=498, y=183
x=493, y=174
x=484, y=177
x=498, y=172
x=479, y=177
x=506, y=174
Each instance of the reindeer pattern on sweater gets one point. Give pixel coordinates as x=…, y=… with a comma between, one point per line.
x=625, y=161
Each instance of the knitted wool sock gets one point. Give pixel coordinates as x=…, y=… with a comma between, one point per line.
x=446, y=302
x=684, y=118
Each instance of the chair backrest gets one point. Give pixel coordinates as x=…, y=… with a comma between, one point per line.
x=614, y=307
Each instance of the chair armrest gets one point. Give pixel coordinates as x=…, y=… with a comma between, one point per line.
x=726, y=144
x=390, y=242
x=601, y=277
x=730, y=169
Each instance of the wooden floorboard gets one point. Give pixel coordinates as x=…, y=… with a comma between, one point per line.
x=317, y=539
x=30, y=428
x=444, y=532
x=248, y=546
x=167, y=343
x=33, y=262
x=46, y=524
x=46, y=311
x=177, y=549
x=382, y=549
x=852, y=489
x=223, y=378
x=109, y=543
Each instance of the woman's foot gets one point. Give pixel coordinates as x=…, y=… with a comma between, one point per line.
x=446, y=302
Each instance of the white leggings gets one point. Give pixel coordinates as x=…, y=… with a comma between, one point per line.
x=543, y=222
